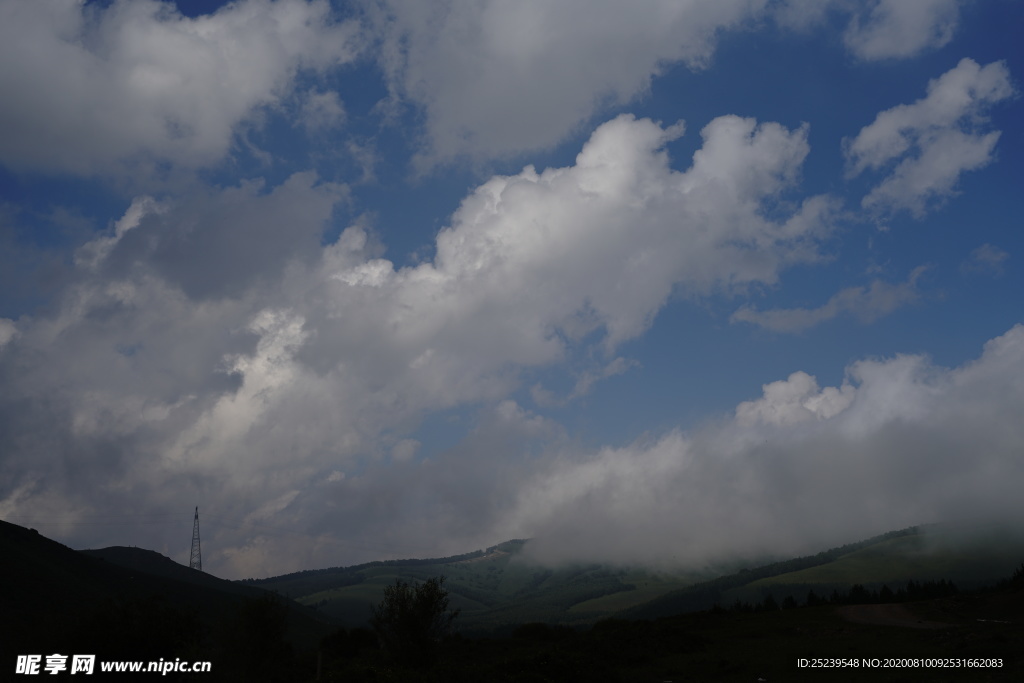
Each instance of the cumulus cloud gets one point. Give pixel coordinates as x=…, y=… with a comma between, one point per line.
x=499, y=78
x=866, y=303
x=794, y=400
x=209, y=348
x=902, y=442
x=896, y=28
x=109, y=89
x=937, y=138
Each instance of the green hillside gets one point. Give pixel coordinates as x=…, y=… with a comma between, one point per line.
x=898, y=559
x=497, y=589
x=969, y=555
x=494, y=589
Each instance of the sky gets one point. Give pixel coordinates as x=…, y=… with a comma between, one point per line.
x=666, y=282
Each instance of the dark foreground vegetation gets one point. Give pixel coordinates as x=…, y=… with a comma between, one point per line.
x=748, y=642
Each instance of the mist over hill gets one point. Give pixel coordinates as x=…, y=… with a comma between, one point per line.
x=504, y=585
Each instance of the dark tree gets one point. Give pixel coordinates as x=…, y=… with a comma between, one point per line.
x=411, y=620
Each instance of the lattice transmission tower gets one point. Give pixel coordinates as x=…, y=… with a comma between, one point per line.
x=196, y=561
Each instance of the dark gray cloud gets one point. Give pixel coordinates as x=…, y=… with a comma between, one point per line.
x=218, y=244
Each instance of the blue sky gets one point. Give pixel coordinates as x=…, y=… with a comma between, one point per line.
x=665, y=282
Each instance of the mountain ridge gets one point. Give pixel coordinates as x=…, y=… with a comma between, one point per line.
x=496, y=589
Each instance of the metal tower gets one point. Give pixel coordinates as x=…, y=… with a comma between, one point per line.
x=196, y=561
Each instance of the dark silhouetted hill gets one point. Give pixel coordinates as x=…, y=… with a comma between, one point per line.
x=135, y=604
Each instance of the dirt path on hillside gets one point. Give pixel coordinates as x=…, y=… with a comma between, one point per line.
x=886, y=615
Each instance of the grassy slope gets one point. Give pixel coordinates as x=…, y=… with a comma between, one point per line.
x=968, y=556
x=899, y=559
x=647, y=587
x=492, y=589
x=496, y=589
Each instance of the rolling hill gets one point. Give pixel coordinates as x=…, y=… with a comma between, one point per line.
x=497, y=589
x=493, y=589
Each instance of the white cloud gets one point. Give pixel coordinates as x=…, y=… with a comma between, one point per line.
x=902, y=442
x=902, y=28
x=866, y=303
x=943, y=131
x=958, y=96
x=498, y=78
x=933, y=173
x=550, y=252
x=208, y=340
x=104, y=90
x=794, y=400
